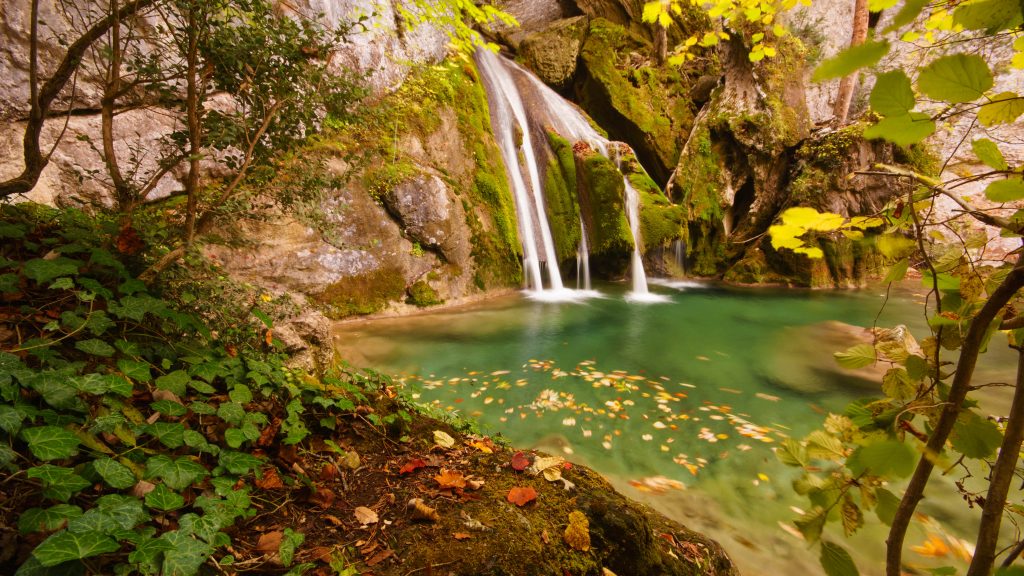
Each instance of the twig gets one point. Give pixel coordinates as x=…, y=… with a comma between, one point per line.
x=429, y=566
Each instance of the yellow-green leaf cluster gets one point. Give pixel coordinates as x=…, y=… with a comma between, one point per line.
x=798, y=222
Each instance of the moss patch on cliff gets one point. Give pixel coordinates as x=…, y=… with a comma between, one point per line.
x=646, y=105
x=560, y=198
x=363, y=294
x=423, y=295
x=601, y=191
x=698, y=177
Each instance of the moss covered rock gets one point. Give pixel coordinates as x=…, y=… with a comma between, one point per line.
x=421, y=294
x=601, y=202
x=560, y=195
x=552, y=53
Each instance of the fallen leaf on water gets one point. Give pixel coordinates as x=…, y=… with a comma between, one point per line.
x=521, y=496
x=443, y=439
x=411, y=466
x=520, y=462
x=270, y=479
x=462, y=535
x=577, y=533
x=365, y=516
x=270, y=542
x=420, y=511
x=450, y=480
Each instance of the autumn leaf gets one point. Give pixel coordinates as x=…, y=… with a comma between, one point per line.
x=323, y=498
x=541, y=464
x=462, y=535
x=450, y=480
x=365, y=516
x=270, y=479
x=443, y=439
x=328, y=472
x=270, y=542
x=482, y=446
x=577, y=533
x=520, y=461
x=379, y=557
x=934, y=547
x=332, y=519
x=420, y=511
x=412, y=466
x=521, y=496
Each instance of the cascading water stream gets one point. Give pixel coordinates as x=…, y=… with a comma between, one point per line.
x=583, y=260
x=565, y=119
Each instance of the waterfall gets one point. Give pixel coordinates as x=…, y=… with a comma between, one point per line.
x=679, y=247
x=508, y=115
x=583, y=260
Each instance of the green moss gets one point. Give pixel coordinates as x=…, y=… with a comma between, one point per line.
x=560, y=198
x=380, y=180
x=363, y=294
x=698, y=177
x=832, y=150
x=919, y=157
x=422, y=295
x=603, y=209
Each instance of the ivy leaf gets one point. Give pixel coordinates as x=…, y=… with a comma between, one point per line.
x=136, y=370
x=976, y=437
x=904, y=130
x=169, y=408
x=889, y=458
x=96, y=347
x=1006, y=190
x=148, y=552
x=136, y=307
x=113, y=513
x=238, y=462
x=851, y=60
x=856, y=357
x=32, y=567
x=50, y=442
x=174, y=382
x=163, y=498
x=114, y=473
x=1003, y=108
x=231, y=412
x=170, y=434
x=43, y=271
x=177, y=473
x=59, y=483
x=47, y=520
x=987, y=151
x=956, y=78
x=10, y=419
x=189, y=554
x=65, y=546
x=892, y=94
x=836, y=560
x=988, y=15
x=289, y=542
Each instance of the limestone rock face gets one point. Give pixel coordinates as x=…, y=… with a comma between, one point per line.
x=431, y=215
x=552, y=52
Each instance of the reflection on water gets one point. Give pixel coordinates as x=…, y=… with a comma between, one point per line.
x=679, y=404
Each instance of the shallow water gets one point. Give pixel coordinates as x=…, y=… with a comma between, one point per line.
x=678, y=403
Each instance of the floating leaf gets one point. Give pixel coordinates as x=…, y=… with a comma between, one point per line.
x=365, y=516
x=521, y=496
x=956, y=78
x=577, y=533
x=851, y=60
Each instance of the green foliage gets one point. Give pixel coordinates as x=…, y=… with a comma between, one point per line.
x=423, y=295
x=851, y=60
x=88, y=428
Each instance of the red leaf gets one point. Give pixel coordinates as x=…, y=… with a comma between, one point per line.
x=328, y=472
x=462, y=535
x=521, y=496
x=412, y=465
x=270, y=541
x=270, y=479
x=323, y=498
x=520, y=461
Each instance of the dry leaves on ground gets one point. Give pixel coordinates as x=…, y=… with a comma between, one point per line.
x=522, y=495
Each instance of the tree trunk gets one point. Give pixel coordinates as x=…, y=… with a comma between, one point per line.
x=660, y=44
x=847, y=84
x=999, y=481
x=951, y=410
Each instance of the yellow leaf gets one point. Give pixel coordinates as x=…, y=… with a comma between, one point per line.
x=443, y=439
x=577, y=533
x=779, y=30
x=813, y=253
x=769, y=52
x=664, y=19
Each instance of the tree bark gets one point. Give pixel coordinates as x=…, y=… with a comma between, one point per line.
x=951, y=410
x=35, y=160
x=999, y=481
x=848, y=83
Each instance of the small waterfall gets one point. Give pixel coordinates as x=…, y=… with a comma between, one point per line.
x=679, y=249
x=508, y=114
x=583, y=260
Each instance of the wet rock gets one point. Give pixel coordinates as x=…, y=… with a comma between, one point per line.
x=431, y=215
x=552, y=52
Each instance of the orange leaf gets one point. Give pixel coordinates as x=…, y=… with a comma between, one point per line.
x=481, y=446
x=270, y=541
x=269, y=338
x=323, y=498
x=270, y=479
x=521, y=496
x=328, y=472
x=411, y=466
x=448, y=479
x=933, y=546
x=462, y=536
x=332, y=519
x=519, y=461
